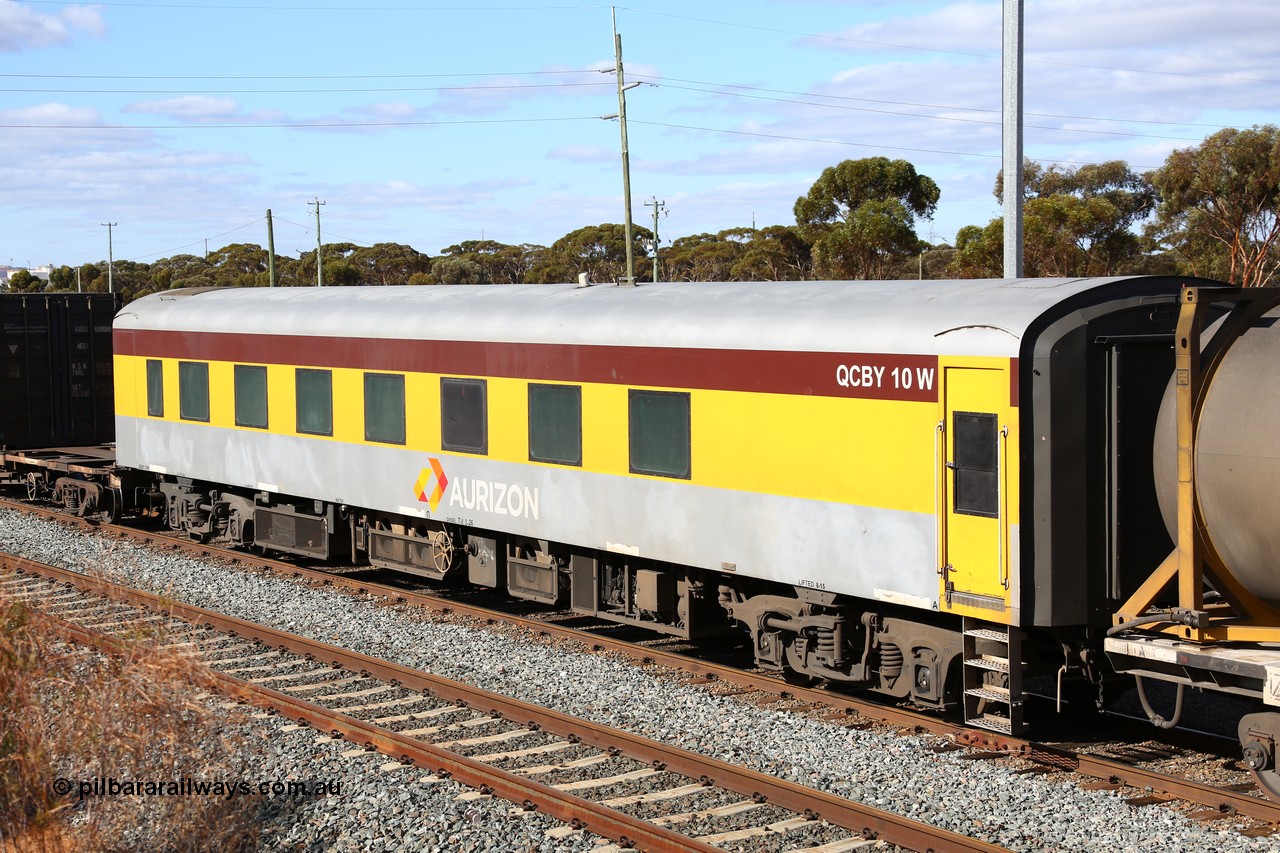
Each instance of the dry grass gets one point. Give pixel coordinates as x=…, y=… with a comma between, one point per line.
x=68, y=713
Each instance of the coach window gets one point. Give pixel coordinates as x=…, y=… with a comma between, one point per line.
x=977, y=489
x=193, y=390
x=384, y=408
x=251, y=396
x=315, y=401
x=464, y=415
x=155, y=388
x=659, y=433
x=555, y=424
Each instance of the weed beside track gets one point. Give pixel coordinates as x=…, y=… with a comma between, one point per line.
x=80, y=730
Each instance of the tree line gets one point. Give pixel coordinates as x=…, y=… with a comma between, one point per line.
x=1212, y=210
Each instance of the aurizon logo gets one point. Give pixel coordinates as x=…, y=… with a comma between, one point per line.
x=434, y=472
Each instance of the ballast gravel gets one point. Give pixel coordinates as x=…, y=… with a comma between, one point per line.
x=381, y=806
x=899, y=773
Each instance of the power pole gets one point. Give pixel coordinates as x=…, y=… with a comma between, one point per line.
x=1012, y=122
x=319, y=273
x=111, y=286
x=271, y=252
x=626, y=156
x=657, y=206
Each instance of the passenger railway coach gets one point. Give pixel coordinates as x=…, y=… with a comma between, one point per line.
x=854, y=472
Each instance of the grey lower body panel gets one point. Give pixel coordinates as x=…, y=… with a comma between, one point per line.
x=869, y=552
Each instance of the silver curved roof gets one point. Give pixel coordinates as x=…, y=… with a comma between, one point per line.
x=966, y=317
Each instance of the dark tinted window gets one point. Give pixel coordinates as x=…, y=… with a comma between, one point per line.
x=659, y=433
x=555, y=424
x=976, y=467
x=384, y=408
x=464, y=415
x=193, y=390
x=251, y=396
x=315, y=401
x=155, y=388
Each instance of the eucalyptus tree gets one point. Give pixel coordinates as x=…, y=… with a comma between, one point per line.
x=860, y=216
x=1220, y=204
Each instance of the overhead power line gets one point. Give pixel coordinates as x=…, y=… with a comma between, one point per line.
x=222, y=7
x=214, y=124
x=380, y=89
x=291, y=76
x=362, y=243
x=357, y=125
x=995, y=122
x=301, y=125
x=786, y=138
x=170, y=252
x=716, y=22
x=972, y=54
x=729, y=89
x=665, y=82
x=391, y=223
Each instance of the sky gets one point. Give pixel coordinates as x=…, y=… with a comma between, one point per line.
x=434, y=123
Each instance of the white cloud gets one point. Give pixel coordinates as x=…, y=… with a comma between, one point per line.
x=42, y=137
x=401, y=193
x=189, y=108
x=23, y=28
x=51, y=114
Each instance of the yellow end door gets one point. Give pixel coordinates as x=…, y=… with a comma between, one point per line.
x=975, y=538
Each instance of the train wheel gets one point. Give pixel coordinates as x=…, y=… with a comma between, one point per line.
x=1258, y=736
x=109, y=511
x=799, y=679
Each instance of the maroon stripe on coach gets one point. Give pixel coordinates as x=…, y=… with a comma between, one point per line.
x=862, y=375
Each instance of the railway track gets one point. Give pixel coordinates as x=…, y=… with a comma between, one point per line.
x=461, y=732
x=1147, y=786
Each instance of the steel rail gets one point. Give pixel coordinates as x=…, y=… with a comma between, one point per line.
x=815, y=804
x=711, y=671
x=578, y=811
x=1093, y=766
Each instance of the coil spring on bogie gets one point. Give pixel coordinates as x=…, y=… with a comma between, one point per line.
x=70, y=500
x=891, y=660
